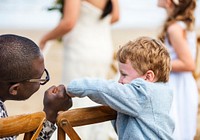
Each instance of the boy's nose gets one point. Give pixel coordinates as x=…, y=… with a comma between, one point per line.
x=120, y=80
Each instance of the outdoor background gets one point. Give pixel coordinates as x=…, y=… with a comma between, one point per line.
x=30, y=18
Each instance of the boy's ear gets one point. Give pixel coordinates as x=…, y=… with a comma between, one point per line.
x=14, y=88
x=150, y=76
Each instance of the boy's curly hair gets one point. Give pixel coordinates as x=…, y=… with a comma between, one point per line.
x=147, y=54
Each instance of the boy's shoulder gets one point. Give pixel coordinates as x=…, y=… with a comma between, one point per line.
x=152, y=86
x=142, y=81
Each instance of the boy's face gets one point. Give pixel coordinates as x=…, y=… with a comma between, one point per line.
x=127, y=72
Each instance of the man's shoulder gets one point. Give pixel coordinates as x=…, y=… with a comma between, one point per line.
x=3, y=112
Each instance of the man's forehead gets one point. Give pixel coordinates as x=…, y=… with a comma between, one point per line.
x=38, y=64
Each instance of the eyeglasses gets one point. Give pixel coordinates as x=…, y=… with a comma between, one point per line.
x=43, y=80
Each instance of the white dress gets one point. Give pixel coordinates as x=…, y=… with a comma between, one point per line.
x=185, y=103
x=88, y=51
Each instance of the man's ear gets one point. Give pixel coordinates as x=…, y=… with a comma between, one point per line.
x=150, y=76
x=14, y=88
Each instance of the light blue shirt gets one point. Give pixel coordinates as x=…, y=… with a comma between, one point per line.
x=143, y=107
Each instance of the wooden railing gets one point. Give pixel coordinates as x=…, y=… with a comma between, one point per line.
x=82, y=116
x=22, y=124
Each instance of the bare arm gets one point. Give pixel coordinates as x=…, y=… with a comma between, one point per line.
x=177, y=37
x=115, y=11
x=70, y=15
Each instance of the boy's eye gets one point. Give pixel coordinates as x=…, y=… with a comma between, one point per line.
x=123, y=74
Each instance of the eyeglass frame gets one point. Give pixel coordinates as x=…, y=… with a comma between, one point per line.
x=47, y=78
x=35, y=80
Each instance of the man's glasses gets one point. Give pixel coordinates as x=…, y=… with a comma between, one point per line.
x=43, y=80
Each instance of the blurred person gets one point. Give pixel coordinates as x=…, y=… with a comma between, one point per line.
x=85, y=29
x=179, y=36
x=22, y=72
x=141, y=97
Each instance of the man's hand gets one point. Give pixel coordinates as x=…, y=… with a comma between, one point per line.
x=55, y=100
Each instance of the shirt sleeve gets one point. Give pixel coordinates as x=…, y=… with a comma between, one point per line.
x=47, y=131
x=126, y=99
x=9, y=138
x=3, y=114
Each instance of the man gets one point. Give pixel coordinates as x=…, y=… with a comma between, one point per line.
x=22, y=71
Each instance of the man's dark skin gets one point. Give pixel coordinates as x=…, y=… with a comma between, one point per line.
x=18, y=86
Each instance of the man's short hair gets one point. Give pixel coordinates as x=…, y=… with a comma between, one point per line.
x=16, y=56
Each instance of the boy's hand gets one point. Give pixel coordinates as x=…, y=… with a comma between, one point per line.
x=56, y=99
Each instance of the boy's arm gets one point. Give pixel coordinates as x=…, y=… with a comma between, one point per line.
x=119, y=97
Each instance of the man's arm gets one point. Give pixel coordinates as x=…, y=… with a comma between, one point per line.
x=55, y=100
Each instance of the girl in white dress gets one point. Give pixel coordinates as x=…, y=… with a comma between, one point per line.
x=85, y=29
x=179, y=36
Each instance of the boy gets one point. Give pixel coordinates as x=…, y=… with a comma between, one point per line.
x=141, y=97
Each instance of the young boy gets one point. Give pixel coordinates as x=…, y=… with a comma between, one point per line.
x=141, y=97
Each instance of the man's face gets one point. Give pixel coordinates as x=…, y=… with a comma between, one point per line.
x=27, y=89
x=127, y=72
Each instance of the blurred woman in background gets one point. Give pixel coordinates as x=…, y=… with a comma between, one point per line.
x=85, y=29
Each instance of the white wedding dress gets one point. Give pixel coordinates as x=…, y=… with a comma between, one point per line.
x=88, y=52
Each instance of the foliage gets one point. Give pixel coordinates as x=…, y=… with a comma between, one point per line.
x=57, y=5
